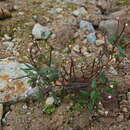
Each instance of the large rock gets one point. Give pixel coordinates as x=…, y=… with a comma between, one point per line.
x=124, y=17
x=13, y=88
x=109, y=26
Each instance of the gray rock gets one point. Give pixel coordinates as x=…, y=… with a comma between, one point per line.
x=40, y=32
x=86, y=24
x=91, y=38
x=13, y=83
x=79, y=12
x=109, y=26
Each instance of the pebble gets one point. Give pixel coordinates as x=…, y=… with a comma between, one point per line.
x=50, y=101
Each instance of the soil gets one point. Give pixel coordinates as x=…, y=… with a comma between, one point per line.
x=29, y=115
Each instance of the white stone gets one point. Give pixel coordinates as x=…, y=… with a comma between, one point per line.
x=40, y=32
x=100, y=42
x=50, y=101
x=7, y=37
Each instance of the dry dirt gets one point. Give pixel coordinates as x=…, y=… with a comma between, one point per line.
x=29, y=115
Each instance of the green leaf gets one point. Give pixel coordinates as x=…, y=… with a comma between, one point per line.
x=84, y=93
x=115, y=83
x=109, y=90
x=112, y=39
x=94, y=95
x=126, y=39
x=121, y=52
x=102, y=78
x=46, y=69
x=82, y=101
x=94, y=84
x=30, y=67
x=90, y=106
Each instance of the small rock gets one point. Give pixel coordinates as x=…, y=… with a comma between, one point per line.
x=86, y=24
x=120, y=117
x=50, y=101
x=40, y=32
x=58, y=10
x=91, y=38
x=79, y=12
x=1, y=111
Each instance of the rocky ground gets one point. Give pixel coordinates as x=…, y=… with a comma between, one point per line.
x=62, y=24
